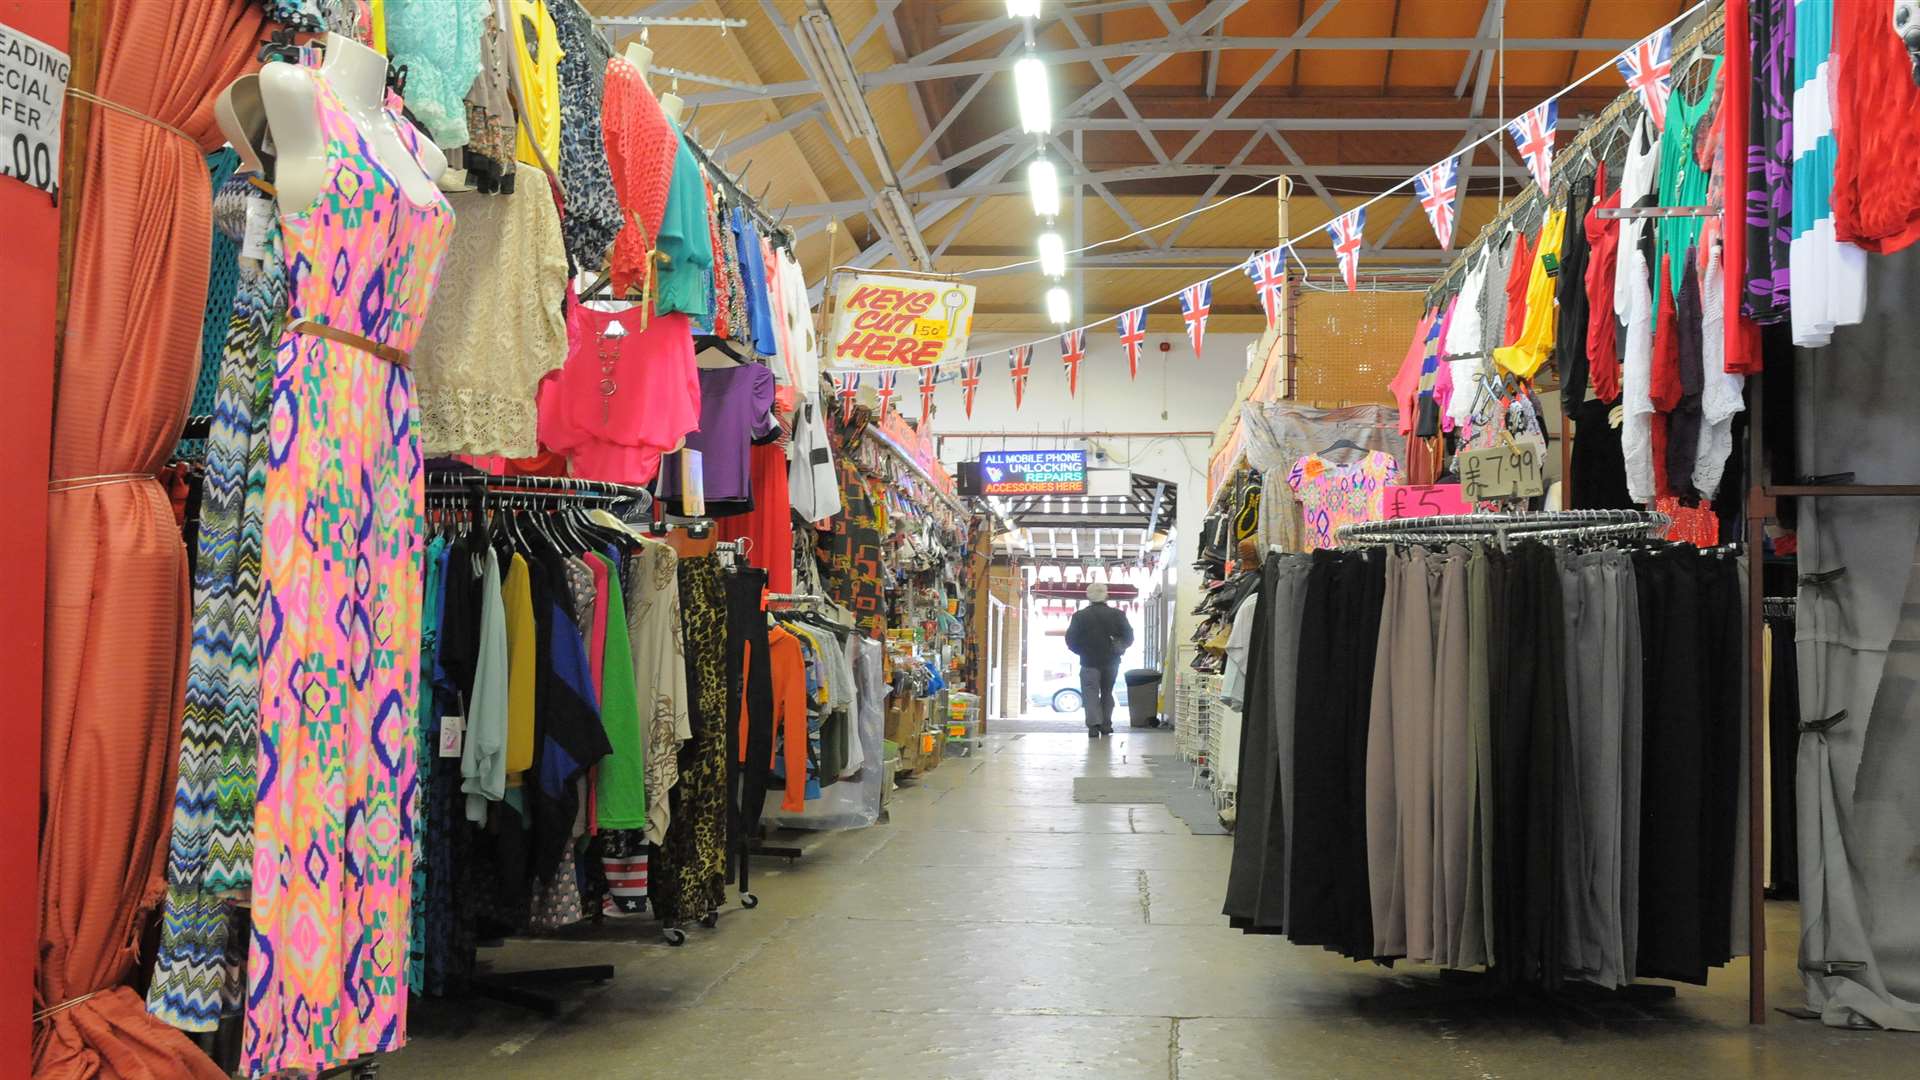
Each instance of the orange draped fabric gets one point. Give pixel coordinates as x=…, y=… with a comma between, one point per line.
x=117, y=591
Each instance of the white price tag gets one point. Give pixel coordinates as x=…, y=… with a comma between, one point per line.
x=1499, y=472
x=33, y=83
x=453, y=731
x=253, y=244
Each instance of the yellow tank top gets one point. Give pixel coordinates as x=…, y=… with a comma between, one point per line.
x=537, y=53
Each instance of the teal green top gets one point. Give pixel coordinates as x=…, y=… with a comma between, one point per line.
x=1683, y=182
x=623, y=776
x=685, y=281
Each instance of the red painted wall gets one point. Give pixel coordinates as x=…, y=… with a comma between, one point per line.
x=29, y=265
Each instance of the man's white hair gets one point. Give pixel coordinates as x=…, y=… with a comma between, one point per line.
x=1097, y=591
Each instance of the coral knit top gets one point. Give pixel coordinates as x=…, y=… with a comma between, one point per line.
x=641, y=146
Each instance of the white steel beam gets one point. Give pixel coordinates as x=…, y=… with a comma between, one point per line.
x=1119, y=93
x=882, y=17
x=1192, y=39
x=779, y=127
x=1175, y=44
x=1310, y=176
x=1280, y=52
x=987, y=179
x=1100, y=189
x=1213, y=189
x=973, y=90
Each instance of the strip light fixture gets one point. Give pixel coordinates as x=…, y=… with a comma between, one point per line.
x=1043, y=183
x=1059, y=306
x=1036, y=99
x=1053, y=254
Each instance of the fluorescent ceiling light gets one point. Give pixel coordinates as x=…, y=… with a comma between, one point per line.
x=1023, y=9
x=895, y=219
x=1043, y=183
x=1053, y=254
x=1059, y=306
x=819, y=44
x=1036, y=101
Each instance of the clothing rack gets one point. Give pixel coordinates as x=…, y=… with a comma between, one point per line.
x=819, y=604
x=756, y=844
x=451, y=482
x=739, y=197
x=600, y=288
x=1622, y=110
x=1503, y=529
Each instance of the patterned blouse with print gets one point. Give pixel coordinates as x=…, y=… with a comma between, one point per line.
x=1332, y=495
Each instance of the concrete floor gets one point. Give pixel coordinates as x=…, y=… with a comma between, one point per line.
x=996, y=929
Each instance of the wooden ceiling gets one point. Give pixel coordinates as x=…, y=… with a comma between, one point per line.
x=1161, y=106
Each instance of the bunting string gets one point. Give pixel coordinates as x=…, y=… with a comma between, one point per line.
x=1132, y=321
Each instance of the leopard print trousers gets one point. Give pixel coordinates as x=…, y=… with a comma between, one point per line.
x=690, y=882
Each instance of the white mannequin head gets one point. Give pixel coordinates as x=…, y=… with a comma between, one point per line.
x=1097, y=592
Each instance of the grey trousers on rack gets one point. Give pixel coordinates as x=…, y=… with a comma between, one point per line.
x=1859, y=666
x=1418, y=759
x=1600, y=808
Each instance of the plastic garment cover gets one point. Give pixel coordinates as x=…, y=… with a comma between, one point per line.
x=853, y=803
x=1859, y=653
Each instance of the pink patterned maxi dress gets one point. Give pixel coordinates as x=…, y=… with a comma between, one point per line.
x=340, y=620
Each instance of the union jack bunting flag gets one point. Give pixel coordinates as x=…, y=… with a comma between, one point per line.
x=1437, y=185
x=1346, y=232
x=1019, y=364
x=1133, y=335
x=1195, y=302
x=1648, y=69
x=969, y=382
x=849, y=390
x=928, y=375
x=1532, y=133
x=1073, y=349
x=888, y=381
x=1268, y=269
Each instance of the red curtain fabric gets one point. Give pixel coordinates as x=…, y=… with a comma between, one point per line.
x=117, y=591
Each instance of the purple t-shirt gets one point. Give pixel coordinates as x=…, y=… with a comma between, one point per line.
x=734, y=412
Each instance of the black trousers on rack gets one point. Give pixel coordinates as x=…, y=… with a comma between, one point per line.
x=1259, y=767
x=1693, y=651
x=1783, y=753
x=1330, y=900
x=751, y=760
x=1671, y=801
x=1532, y=744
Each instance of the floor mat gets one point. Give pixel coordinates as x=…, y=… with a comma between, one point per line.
x=1171, y=784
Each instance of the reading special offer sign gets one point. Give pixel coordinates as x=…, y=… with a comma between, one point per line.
x=882, y=321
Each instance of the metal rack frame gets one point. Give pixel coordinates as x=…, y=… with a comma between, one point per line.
x=1505, y=528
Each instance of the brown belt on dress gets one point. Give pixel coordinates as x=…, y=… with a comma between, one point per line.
x=333, y=333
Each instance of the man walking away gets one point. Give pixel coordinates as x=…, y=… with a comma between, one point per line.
x=1099, y=635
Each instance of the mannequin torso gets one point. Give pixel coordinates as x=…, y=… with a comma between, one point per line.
x=242, y=117
x=640, y=57
x=358, y=77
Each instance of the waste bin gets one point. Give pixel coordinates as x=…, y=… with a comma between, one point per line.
x=1143, y=697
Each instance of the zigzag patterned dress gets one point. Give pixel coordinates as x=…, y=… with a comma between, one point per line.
x=211, y=851
x=340, y=619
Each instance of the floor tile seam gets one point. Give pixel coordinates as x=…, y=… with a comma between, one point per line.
x=740, y=964
x=824, y=1009
x=1045, y=866
x=974, y=919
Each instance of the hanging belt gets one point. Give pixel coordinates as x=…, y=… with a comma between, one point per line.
x=367, y=345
